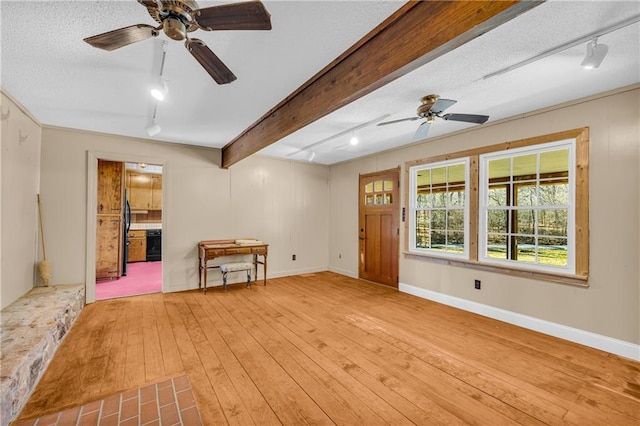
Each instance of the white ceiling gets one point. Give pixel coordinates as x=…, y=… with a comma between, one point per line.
x=65, y=82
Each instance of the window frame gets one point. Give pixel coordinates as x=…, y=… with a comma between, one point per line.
x=580, y=275
x=413, y=208
x=483, y=208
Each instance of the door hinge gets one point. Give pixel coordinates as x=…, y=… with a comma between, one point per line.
x=398, y=231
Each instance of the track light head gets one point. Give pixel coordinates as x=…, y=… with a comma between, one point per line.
x=595, y=54
x=160, y=90
x=153, y=129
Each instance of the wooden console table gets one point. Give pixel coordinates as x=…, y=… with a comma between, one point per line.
x=212, y=249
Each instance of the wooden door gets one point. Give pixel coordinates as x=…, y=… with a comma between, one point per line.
x=108, y=247
x=109, y=220
x=379, y=227
x=109, y=187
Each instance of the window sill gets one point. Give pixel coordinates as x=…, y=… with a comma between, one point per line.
x=574, y=280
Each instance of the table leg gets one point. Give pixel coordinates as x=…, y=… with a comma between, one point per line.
x=255, y=267
x=205, y=276
x=265, y=269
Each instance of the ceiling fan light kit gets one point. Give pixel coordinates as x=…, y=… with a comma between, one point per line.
x=177, y=18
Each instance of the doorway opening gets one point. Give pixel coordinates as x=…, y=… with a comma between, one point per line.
x=128, y=229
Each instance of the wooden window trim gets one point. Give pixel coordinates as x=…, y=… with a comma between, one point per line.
x=581, y=276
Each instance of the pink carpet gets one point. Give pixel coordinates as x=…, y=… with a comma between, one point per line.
x=142, y=278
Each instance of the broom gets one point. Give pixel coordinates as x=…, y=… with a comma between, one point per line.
x=44, y=267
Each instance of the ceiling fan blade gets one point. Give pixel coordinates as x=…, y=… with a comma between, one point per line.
x=249, y=15
x=422, y=131
x=116, y=39
x=467, y=118
x=399, y=121
x=442, y=104
x=209, y=61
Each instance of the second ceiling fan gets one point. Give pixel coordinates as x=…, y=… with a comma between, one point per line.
x=431, y=108
x=177, y=18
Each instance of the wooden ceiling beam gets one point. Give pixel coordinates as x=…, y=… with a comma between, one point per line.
x=419, y=32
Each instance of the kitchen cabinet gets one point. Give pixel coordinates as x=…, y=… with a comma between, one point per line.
x=137, y=245
x=139, y=190
x=144, y=190
x=156, y=192
x=109, y=220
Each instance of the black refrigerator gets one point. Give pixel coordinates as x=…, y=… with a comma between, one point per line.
x=126, y=220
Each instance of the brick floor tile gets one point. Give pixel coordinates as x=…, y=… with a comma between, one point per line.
x=48, y=420
x=92, y=406
x=69, y=417
x=191, y=417
x=133, y=421
x=134, y=407
x=169, y=415
x=89, y=419
x=111, y=405
x=147, y=394
x=111, y=420
x=164, y=384
x=185, y=399
x=166, y=396
x=148, y=412
x=181, y=383
x=129, y=409
x=129, y=394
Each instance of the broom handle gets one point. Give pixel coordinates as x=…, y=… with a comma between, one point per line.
x=44, y=252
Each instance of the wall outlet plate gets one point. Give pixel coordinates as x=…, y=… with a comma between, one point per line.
x=476, y=283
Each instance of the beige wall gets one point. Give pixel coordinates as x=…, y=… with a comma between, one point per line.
x=20, y=178
x=281, y=202
x=610, y=306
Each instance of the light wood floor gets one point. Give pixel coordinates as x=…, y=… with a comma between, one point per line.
x=324, y=349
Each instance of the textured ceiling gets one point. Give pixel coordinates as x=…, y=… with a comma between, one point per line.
x=65, y=82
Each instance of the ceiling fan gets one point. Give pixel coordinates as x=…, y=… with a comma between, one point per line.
x=433, y=106
x=177, y=18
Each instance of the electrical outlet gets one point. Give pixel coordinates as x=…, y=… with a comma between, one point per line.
x=477, y=284
x=293, y=257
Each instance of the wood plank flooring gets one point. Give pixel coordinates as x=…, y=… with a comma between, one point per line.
x=327, y=349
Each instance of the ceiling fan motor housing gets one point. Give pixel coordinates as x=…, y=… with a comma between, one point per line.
x=424, y=110
x=175, y=17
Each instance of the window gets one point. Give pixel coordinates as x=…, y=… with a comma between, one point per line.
x=439, y=208
x=525, y=205
x=519, y=207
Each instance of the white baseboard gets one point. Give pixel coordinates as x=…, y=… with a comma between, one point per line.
x=587, y=338
x=343, y=272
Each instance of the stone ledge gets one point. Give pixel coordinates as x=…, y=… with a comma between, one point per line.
x=31, y=330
